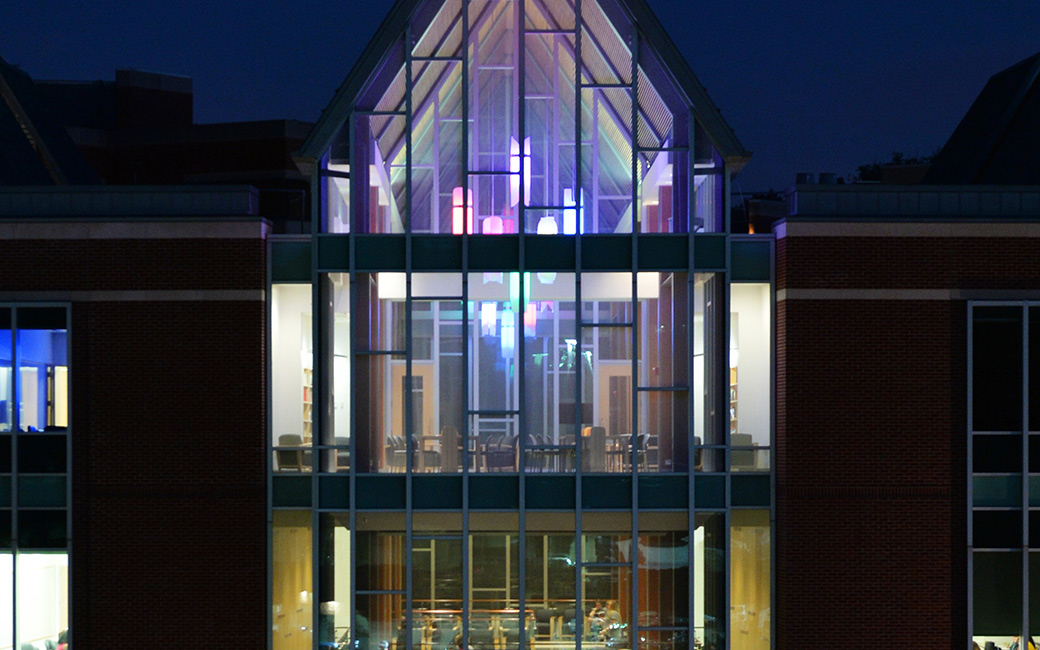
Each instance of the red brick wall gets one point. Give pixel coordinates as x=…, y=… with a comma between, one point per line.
x=169, y=420
x=871, y=437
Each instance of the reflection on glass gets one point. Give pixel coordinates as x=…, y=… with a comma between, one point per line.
x=709, y=605
x=706, y=327
x=292, y=584
x=337, y=203
x=750, y=610
x=6, y=600
x=292, y=377
x=335, y=398
x=334, y=586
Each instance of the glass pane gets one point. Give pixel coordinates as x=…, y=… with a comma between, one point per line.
x=334, y=398
x=997, y=369
x=606, y=166
x=379, y=165
x=443, y=35
x=43, y=599
x=997, y=528
x=6, y=381
x=709, y=605
x=336, y=196
x=549, y=365
x=550, y=584
x=997, y=583
x=334, y=585
x=292, y=583
x=43, y=369
x=664, y=578
x=706, y=355
x=996, y=454
x=493, y=93
x=437, y=156
x=6, y=598
x=380, y=623
x=749, y=578
x=606, y=57
x=661, y=445
x=380, y=561
x=607, y=603
x=550, y=121
x=292, y=376
x=608, y=548
x=1034, y=369
x=997, y=491
x=495, y=327
x=750, y=362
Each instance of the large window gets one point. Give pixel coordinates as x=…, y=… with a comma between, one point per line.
x=518, y=117
x=1004, y=421
x=34, y=424
x=497, y=372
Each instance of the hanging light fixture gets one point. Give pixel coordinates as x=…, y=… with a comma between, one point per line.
x=458, y=219
x=514, y=170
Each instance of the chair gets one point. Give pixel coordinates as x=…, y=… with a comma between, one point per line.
x=430, y=458
x=396, y=453
x=503, y=455
x=741, y=458
x=543, y=622
x=451, y=449
x=298, y=460
x=342, y=452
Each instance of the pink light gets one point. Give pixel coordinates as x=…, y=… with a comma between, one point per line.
x=456, y=212
x=492, y=225
x=530, y=319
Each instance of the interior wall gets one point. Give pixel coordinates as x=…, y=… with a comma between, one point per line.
x=290, y=337
x=754, y=398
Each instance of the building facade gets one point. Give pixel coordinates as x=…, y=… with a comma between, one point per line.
x=518, y=399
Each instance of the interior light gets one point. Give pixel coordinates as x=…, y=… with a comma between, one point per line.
x=547, y=226
x=530, y=319
x=488, y=318
x=573, y=219
x=514, y=170
x=492, y=225
x=508, y=332
x=457, y=212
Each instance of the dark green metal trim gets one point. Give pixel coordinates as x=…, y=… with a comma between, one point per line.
x=290, y=261
x=334, y=492
x=751, y=261
x=376, y=492
x=291, y=491
x=494, y=492
x=709, y=252
x=710, y=490
x=333, y=252
x=750, y=490
x=663, y=492
x=437, y=492
x=606, y=492
x=663, y=252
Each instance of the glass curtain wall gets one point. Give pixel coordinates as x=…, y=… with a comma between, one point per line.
x=510, y=116
x=750, y=370
x=440, y=380
x=1004, y=463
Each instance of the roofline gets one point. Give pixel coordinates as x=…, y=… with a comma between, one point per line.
x=723, y=137
x=378, y=48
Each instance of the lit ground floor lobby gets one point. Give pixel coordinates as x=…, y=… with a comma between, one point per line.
x=433, y=583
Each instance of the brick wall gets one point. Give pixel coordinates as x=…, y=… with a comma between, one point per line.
x=169, y=416
x=871, y=436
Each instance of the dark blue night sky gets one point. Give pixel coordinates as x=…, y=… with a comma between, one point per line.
x=808, y=86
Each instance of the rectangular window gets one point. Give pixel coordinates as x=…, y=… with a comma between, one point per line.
x=292, y=377
x=1004, y=352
